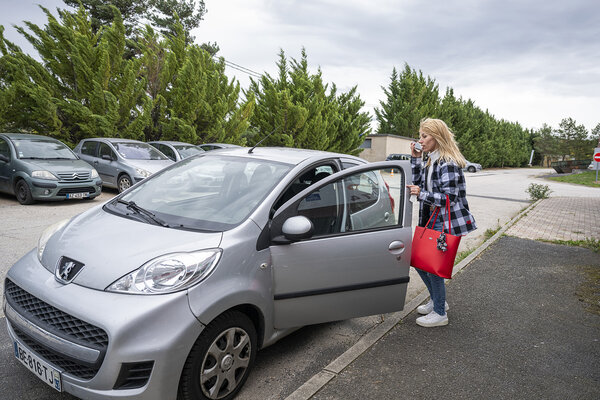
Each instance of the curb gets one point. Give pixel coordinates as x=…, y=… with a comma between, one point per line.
x=320, y=379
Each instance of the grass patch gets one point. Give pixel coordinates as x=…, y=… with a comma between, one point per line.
x=490, y=232
x=589, y=291
x=462, y=255
x=592, y=244
x=586, y=178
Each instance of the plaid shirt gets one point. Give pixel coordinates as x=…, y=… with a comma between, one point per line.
x=446, y=179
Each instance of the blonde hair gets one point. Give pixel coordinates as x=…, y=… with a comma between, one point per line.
x=444, y=137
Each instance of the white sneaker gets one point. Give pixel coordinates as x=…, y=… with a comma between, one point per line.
x=428, y=307
x=433, y=319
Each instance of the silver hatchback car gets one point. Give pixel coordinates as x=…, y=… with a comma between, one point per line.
x=121, y=163
x=169, y=290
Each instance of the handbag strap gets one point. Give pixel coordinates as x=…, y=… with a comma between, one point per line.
x=448, y=214
x=437, y=212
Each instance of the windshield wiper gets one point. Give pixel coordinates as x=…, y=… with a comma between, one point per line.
x=140, y=210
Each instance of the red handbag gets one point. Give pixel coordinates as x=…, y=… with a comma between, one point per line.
x=434, y=251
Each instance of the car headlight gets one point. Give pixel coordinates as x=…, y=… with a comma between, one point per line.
x=143, y=172
x=94, y=173
x=169, y=273
x=44, y=175
x=46, y=235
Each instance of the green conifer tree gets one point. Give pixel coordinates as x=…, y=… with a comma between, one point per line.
x=298, y=110
x=78, y=88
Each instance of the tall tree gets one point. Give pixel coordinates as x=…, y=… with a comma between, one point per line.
x=101, y=12
x=547, y=143
x=165, y=14
x=162, y=14
x=85, y=87
x=297, y=109
x=191, y=99
x=410, y=97
x=82, y=87
x=574, y=139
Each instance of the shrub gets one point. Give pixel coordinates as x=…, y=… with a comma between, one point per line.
x=538, y=191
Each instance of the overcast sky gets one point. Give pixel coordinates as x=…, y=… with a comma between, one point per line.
x=527, y=61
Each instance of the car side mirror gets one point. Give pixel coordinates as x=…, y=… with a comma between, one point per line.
x=107, y=157
x=4, y=158
x=297, y=228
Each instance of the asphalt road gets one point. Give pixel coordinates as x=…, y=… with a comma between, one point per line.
x=495, y=196
x=520, y=328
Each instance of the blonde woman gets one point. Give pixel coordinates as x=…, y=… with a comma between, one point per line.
x=439, y=176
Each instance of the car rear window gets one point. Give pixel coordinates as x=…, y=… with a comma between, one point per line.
x=138, y=151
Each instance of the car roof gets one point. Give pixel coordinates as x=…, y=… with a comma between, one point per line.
x=20, y=136
x=170, y=142
x=115, y=140
x=287, y=155
x=219, y=144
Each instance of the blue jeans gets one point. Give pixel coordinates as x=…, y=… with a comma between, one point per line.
x=435, y=284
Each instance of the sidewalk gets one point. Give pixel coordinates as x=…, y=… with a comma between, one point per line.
x=519, y=327
x=561, y=218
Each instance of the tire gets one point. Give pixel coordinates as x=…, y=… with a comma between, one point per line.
x=471, y=169
x=123, y=183
x=220, y=360
x=23, y=193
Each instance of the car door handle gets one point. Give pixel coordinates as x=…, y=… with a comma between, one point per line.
x=396, y=247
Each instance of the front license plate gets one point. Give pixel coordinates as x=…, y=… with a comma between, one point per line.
x=77, y=195
x=39, y=367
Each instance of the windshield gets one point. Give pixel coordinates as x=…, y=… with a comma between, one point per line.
x=213, y=193
x=138, y=151
x=42, y=149
x=186, y=151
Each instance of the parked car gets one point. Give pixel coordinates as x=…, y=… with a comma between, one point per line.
x=172, y=287
x=121, y=163
x=397, y=156
x=216, y=146
x=34, y=167
x=472, y=167
x=176, y=151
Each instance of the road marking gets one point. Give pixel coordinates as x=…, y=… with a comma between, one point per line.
x=498, y=198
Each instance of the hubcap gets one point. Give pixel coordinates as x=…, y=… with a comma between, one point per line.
x=225, y=363
x=125, y=184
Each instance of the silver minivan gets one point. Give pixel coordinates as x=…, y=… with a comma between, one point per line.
x=121, y=163
x=168, y=290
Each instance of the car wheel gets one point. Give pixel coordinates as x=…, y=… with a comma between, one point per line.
x=123, y=183
x=23, y=193
x=221, y=359
x=471, y=169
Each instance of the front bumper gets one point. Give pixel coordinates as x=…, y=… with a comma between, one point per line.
x=155, y=331
x=58, y=190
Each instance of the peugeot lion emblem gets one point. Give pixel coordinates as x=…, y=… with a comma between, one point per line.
x=67, y=269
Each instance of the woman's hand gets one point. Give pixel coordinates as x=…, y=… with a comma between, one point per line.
x=414, y=152
x=414, y=189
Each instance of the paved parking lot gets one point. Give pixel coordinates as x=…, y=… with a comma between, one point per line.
x=495, y=197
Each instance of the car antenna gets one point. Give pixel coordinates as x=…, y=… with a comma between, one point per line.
x=262, y=140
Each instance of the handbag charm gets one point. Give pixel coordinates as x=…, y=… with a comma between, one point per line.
x=441, y=242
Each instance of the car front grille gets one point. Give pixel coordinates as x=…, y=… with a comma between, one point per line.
x=66, y=365
x=43, y=314
x=74, y=176
x=57, y=322
x=64, y=191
